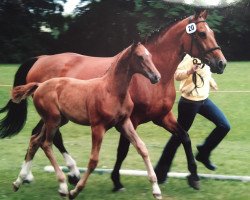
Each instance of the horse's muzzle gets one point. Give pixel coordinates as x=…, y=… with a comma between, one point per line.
x=216, y=66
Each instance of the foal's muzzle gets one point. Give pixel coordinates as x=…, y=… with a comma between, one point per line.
x=155, y=78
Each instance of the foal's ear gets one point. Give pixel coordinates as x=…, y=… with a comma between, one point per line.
x=134, y=44
x=200, y=13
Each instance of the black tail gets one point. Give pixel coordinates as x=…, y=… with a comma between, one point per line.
x=16, y=115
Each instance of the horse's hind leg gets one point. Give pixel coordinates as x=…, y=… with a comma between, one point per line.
x=74, y=173
x=179, y=136
x=128, y=130
x=122, y=152
x=51, y=128
x=25, y=172
x=97, y=137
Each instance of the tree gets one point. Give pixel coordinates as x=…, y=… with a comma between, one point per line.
x=21, y=22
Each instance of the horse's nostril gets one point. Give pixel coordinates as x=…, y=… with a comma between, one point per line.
x=221, y=64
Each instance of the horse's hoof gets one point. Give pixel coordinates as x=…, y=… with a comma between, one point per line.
x=63, y=195
x=119, y=189
x=71, y=196
x=157, y=196
x=15, y=187
x=194, y=182
x=29, y=178
x=73, y=180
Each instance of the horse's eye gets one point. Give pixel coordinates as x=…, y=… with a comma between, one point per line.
x=202, y=35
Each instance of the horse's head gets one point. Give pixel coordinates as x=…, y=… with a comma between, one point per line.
x=199, y=41
x=142, y=62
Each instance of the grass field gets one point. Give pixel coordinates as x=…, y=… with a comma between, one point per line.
x=232, y=156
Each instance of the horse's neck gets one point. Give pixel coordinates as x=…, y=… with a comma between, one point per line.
x=118, y=78
x=167, y=51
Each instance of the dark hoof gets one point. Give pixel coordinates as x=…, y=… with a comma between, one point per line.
x=118, y=188
x=15, y=188
x=63, y=195
x=26, y=181
x=194, y=182
x=71, y=196
x=73, y=180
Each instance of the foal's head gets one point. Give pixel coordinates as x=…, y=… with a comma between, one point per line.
x=203, y=43
x=141, y=62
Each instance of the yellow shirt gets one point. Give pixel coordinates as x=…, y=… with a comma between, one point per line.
x=187, y=86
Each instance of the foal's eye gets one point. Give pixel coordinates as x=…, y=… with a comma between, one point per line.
x=202, y=35
x=140, y=58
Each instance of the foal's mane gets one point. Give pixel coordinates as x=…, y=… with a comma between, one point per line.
x=120, y=57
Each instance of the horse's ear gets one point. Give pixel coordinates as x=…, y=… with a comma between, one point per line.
x=200, y=12
x=136, y=42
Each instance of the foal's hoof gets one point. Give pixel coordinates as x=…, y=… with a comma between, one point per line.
x=71, y=196
x=157, y=196
x=15, y=187
x=194, y=182
x=73, y=180
x=63, y=195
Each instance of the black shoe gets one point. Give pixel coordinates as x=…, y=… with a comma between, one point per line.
x=205, y=161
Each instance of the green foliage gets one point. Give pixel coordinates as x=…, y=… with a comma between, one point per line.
x=105, y=27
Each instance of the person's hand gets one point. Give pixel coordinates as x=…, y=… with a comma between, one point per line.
x=214, y=86
x=193, y=69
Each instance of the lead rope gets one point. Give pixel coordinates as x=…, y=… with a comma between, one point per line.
x=195, y=75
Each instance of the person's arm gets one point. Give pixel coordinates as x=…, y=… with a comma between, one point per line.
x=213, y=84
x=184, y=69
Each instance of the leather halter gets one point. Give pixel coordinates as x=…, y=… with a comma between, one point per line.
x=194, y=40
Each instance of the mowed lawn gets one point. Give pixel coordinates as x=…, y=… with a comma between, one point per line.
x=232, y=156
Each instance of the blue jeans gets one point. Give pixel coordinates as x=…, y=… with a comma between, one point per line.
x=187, y=110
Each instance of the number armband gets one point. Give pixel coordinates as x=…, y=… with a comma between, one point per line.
x=191, y=28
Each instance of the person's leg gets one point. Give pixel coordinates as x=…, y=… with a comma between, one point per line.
x=210, y=111
x=186, y=113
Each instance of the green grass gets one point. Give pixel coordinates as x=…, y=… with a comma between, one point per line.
x=232, y=155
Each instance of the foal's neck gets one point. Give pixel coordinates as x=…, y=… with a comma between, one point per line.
x=119, y=76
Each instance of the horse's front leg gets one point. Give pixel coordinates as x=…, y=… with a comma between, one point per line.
x=128, y=130
x=122, y=152
x=170, y=123
x=97, y=137
x=74, y=173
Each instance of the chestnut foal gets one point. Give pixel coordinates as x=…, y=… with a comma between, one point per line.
x=101, y=103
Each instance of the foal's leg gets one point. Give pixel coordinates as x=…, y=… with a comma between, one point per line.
x=51, y=128
x=128, y=130
x=34, y=144
x=74, y=173
x=170, y=124
x=97, y=137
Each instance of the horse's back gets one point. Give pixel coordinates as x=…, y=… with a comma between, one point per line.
x=68, y=65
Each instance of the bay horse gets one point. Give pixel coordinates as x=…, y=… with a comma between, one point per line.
x=101, y=103
x=151, y=102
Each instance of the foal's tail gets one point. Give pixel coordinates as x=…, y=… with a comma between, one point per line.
x=16, y=114
x=20, y=93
